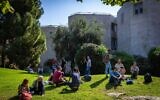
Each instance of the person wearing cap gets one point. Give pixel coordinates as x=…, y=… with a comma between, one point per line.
x=38, y=86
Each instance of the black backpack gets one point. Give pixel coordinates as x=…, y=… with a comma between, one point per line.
x=147, y=78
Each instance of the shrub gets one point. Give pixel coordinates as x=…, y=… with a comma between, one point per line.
x=95, y=52
x=127, y=60
x=154, y=60
x=143, y=64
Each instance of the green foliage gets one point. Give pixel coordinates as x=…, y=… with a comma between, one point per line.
x=127, y=59
x=68, y=41
x=143, y=64
x=154, y=59
x=5, y=7
x=96, y=53
x=22, y=30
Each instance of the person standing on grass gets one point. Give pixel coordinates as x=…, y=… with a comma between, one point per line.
x=134, y=70
x=88, y=66
x=108, y=67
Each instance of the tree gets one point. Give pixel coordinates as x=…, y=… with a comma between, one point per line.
x=22, y=32
x=5, y=7
x=69, y=40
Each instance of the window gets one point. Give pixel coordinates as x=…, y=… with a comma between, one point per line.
x=113, y=43
x=138, y=8
x=114, y=27
x=122, y=18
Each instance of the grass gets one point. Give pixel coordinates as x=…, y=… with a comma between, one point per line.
x=96, y=89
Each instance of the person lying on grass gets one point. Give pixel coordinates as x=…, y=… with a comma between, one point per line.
x=38, y=86
x=58, y=76
x=24, y=91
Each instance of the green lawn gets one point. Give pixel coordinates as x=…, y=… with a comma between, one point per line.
x=96, y=89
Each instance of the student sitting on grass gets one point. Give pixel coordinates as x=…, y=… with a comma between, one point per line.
x=38, y=86
x=75, y=83
x=58, y=76
x=115, y=78
x=23, y=91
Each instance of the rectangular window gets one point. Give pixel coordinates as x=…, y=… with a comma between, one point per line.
x=113, y=43
x=138, y=8
x=122, y=18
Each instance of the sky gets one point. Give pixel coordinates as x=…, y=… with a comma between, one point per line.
x=56, y=12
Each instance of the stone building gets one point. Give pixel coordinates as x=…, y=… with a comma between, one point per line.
x=108, y=23
x=138, y=27
x=50, y=52
x=135, y=30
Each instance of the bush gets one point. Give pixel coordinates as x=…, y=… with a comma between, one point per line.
x=95, y=52
x=127, y=60
x=143, y=64
x=154, y=60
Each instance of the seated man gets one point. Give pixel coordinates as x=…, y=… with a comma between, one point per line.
x=38, y=86
x=58, y=77
x=134, y=70
x=75, y=83
x=116, y=77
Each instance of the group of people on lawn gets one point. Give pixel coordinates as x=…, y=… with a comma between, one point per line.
x=117, y=72
x=57, y=77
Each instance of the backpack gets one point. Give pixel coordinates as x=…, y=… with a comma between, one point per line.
x=147, y=78
x=87, y=78
x=129, y=81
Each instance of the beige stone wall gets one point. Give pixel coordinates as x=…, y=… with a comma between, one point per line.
x=104, y=20
x=50, y=52
x=139, y=33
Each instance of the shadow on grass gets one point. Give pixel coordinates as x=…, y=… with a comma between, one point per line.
x=50, y=87
x=66, y=91
x=109, y=86
x=95, y=84
x=14, y=98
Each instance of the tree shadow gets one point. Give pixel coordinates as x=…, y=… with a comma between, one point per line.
x=66, y=91
x=95, y=84
x=14, y=98
x=109, y=86
x=50, y=87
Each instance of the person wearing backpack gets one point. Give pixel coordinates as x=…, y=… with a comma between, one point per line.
x=24, y=91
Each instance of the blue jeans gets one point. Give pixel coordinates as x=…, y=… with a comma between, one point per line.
x=88, y=72
x=108, y=68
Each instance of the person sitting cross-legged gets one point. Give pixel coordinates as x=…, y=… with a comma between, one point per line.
x=75, y=83
x=24, y=91
x=115, y=77
x=38, y=86
x=58, y=76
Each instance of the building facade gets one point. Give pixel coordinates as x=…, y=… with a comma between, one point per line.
x=50, y=52
x=107, y=22
x=138, y=27
x=135, y=30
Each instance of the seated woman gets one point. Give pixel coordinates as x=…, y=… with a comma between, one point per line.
x=120, y=68
x=23, y=91
x=38, y=86
x=58, y=77
x=75, y=83
x=116, y=77
x=134, y=70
